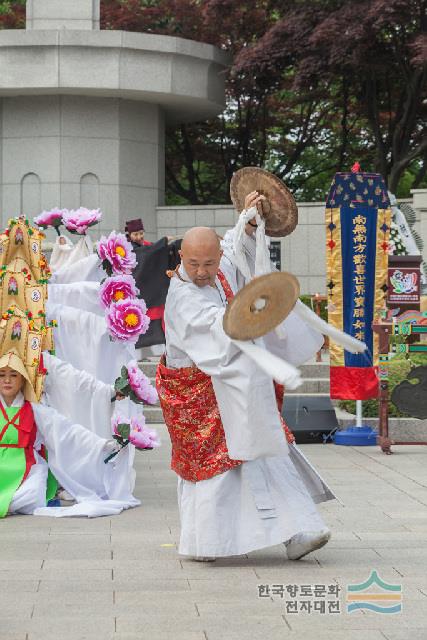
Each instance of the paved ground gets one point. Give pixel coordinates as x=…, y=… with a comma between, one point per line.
x=121, y=578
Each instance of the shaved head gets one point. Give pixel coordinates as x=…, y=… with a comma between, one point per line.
x=201, y=235
x=201, y=254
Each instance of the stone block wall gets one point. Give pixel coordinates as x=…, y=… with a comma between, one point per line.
x=303, y=252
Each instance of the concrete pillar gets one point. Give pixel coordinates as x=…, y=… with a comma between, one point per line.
x=62, y=14
x=83, y=111
x=69, y=151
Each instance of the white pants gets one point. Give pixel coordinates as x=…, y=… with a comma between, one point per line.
x=258, y=504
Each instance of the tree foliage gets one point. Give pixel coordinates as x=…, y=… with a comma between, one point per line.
x=376, y=49
x=12, y=14
x=312, y=86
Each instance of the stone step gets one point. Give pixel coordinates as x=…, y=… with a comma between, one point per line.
x=153, y=415
x=149, y=368
x=311, y=386
x=315, y=370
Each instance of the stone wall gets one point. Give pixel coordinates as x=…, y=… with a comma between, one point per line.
x=303, y=253
x=83, y=111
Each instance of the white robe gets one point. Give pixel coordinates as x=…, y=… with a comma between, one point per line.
x=86, y=361
x=80, y=295
x=83, y=371
x=266, y=500
x=78, y=395
x=65, y=256
x=82, y=398
x=82, y=340
x=60, y=253
x=85, y=269
x=76, y=458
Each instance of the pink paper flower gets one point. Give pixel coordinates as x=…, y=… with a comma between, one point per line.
x=116, y=254
x=142, y=437
x=139, y=435
x=117, y=288
x=79, y=220
x=52, y=218
x=127, y=319
x=140, y=384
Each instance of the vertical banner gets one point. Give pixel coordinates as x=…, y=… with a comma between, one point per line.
x=357, y=231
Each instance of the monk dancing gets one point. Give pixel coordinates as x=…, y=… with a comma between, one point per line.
x=241, y=485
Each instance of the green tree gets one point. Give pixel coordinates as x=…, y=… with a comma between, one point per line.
x=12, y=14
x=377, y=49
x=312, y=86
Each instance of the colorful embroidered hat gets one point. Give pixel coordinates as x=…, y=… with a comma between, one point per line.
x=19, y=335
x=24, y=332
x=18, y=288
x=13, y=361
x=22, y=241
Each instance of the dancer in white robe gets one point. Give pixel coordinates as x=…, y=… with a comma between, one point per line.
x=263, y=501
x=73, y=423
x=92, y=363
x=75, y=457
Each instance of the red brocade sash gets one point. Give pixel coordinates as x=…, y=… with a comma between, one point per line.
x=191, y=414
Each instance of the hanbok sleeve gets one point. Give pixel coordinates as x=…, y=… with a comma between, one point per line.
x=88, y=268
x=294, y=341
x=82, y=339
x=76, y=458
x=80, y=295
x=78, y=395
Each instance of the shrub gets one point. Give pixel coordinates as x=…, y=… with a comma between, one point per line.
x=399, y=368
x=323, y=306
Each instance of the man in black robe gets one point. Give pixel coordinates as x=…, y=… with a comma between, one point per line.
x=134, y=230
x=153, y=262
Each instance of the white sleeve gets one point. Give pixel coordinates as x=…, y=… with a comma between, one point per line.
x=78, y=395
x=84, y=269
x=76, y=458
x=295, y=342
x=80, y=295
x=82, y=339
x=299, y=342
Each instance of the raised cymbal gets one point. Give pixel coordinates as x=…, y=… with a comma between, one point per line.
x=279, y=210
x=261, y=306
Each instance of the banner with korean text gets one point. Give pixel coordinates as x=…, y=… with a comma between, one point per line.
x=357, y=232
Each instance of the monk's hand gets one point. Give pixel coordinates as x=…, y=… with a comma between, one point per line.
x=252, y=200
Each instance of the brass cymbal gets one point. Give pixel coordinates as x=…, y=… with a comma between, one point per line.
x=261, y=306
x=279, y=209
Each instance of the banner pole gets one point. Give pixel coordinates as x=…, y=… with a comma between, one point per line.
x=358, y=413
x=357, y=243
